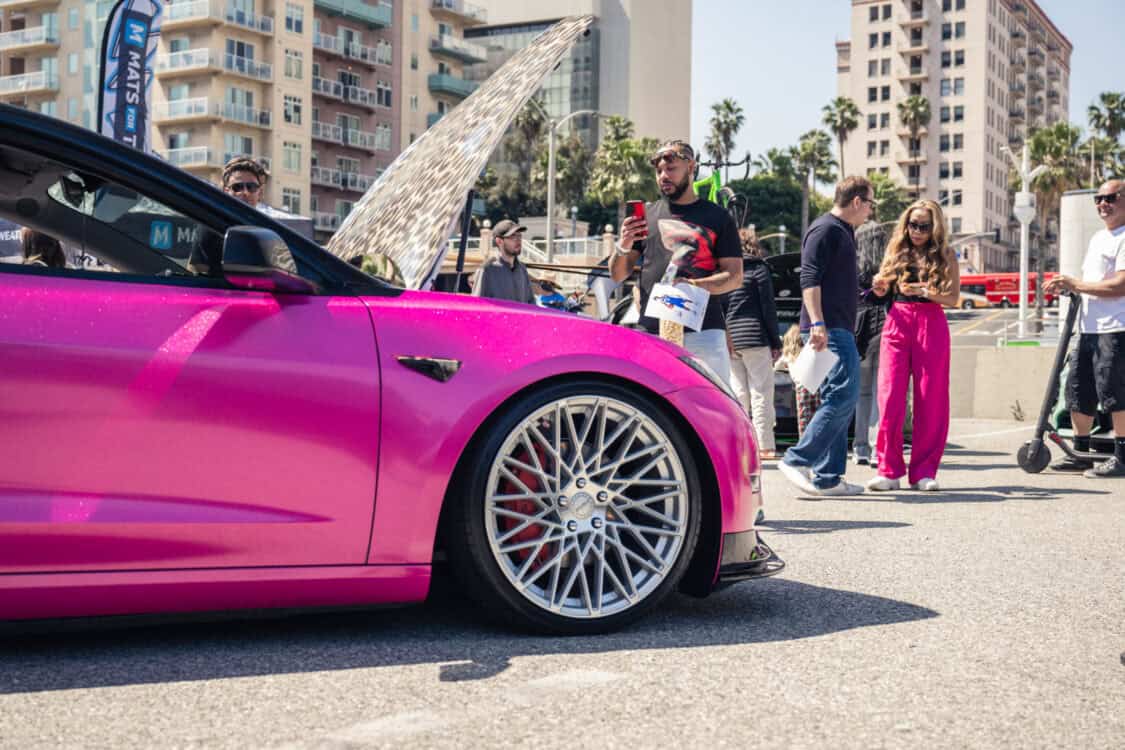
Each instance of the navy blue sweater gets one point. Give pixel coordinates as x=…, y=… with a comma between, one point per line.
x=828, y=261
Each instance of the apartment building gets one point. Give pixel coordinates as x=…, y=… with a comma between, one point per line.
x=435, y=55
x=305, y=86
x=992, y=70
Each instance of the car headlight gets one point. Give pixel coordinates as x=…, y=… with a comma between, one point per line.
x=705, y=370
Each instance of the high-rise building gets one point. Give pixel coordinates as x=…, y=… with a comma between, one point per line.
x=305, y=86
x=992, y=70
x=435, y=54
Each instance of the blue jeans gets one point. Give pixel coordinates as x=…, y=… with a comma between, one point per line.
x=824, y=446
x=710, y=345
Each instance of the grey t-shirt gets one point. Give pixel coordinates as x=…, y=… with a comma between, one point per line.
x=498, y=280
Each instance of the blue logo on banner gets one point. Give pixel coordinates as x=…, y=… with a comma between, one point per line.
x=136, y=33
x=160, y=235
x=130, y=119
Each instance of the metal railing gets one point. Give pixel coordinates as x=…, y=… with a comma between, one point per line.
x=245, y=66
x=358, y=182
x=192, y=156
x=326, y=131
x=261, y=118
x=359, y=139
x=361, y=96
x=458, y=48
x=461, y=8
x=178, y=108
x=38, y=81
x=326, y=176
x=261, y=24
x=27, y=37
x=328, y=87
x=447, y=84
x=185, y=60
x=326, y=222
x=190, y=11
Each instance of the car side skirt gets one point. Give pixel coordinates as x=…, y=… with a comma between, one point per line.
x=36, y=596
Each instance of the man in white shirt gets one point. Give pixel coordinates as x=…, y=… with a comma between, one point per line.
x=1097, y=373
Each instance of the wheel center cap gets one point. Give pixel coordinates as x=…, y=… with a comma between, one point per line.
x=582, y=505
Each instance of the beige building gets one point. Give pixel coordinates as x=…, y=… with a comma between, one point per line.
x=308, y=87
x=435, y=53
x=992, y=70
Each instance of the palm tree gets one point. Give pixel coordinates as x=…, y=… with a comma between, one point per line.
x=621, y=170
x=890, y=197
x=813, y=158
x=1109, y=118
x=1056, y=148
x=777, y=162
x=914, y=114
x=727, y=119
x=841, y=116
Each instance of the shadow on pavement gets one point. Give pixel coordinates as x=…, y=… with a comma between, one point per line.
x=827, y=527
x=446, y=632
x=971, y=495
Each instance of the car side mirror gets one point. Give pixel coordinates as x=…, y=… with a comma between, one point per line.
x=256, y=259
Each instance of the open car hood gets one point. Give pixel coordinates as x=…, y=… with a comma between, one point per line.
x=412, y=209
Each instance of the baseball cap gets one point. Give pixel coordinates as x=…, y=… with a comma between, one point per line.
x=507, y=228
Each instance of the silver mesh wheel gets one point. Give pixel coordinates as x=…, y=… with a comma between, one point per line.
x=586, y=506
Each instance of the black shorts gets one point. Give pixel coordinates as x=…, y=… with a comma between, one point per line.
x=1097, y=373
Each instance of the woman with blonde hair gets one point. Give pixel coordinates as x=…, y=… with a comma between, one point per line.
x=918, y=275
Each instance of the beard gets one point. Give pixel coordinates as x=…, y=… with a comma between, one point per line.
x=678, y=189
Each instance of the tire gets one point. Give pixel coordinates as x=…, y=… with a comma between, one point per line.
x=1004, y=303
x=967, y=304
x=515, y=531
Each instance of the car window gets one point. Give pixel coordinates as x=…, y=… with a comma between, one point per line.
x=103, y=225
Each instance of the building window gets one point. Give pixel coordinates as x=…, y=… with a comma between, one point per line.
x=414, y=22
x=958, y=86
x=955, y=199
x=872, y=68
x=872, y=121
x=886, y=12
x=958, y=168
x=915, y=89
x=873, y=94
x=293, y=110
x=383, y=137
x=871, y=146
x=884, y=148
x=72, y=64
x=959, y=58
x=291, y=200
x=383, y=94
x=943, y=171
x=945, y=114
x=384, y=52
x=946, y=31
x=414, y=62
x=885, y=120
x=72, y=19
x=413, y=102
x=886, y=93
x=49, y=108
x=873, y=14
x=72, y=109
x=294, y=18
x=291, y=156
x=955, y=225
x=872, y=40
x=959, y=30
x=958, y=114
x=294, y=64
x=886, y=39
x=885, y=66
x=946, y=87
x=946, y=59
x=943, y=143
x=913, y=172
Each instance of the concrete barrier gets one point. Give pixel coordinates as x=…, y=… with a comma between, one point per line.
x=999, y=383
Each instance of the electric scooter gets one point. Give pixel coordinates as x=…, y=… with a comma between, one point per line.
x=1034, y=455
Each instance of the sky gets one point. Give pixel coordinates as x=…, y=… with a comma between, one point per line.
x=780, y=64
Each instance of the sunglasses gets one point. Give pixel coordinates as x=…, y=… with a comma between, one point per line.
x=914, y=226
x=1111, y=198
x=669, y=157
x=244, y=187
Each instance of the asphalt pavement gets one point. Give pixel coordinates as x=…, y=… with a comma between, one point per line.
x=990, y=614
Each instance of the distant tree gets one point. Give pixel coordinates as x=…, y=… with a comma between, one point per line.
x=891, y=200
x=1056, y=148
x=777, y=162
x=813, y=159
x=1107, y=115
x=727, y=119
x=841, y=117
x=573, y=162
x=914, y=114
x=621, y=170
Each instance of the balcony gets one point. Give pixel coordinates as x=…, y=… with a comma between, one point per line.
x=194, y=157
x=443, y=83
x=327, y=87
x=29, y=40
x=358, y=182
x=190, y=15
x=326, y=177
x=1053, y=73
x=333, y=46
x=1017, y=115
x=25, y=4
x=457, y=48
x=433, y=117
x=911, y=157
x=914, y=47
x=184, y=110
x=28, y=83
x=905, y=132
x=1020, y=8
x=459, y=11
x=187, y=62
x=359, y=139
x=1035, y=106
x=1038, y=34
x=1018, y=63
x=326, y=222
x=914, y=74
x=249, y=21
x=326, y=43
x=918, y=189
x=1035, y=81
x=1036, y=57
x=244, y=66
x=1018, y=90
x=916, y=19
x=1053, y=96
x=1019, y=38
x=326, y=131
x=240, y=113
x=361, y=96
x=376, y=17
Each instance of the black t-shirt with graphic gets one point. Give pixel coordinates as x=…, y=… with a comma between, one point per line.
x=693, y=237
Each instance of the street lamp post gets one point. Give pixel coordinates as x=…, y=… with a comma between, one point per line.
x=781, y=240
x=1024, y=209
x=552, y=139
x=573, y=222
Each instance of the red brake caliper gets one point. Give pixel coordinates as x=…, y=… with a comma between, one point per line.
x=526, y=507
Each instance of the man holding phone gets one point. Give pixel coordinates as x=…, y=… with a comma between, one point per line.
x=689, y=240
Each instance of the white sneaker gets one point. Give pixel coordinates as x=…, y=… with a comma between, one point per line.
x=841, y=488
x=798, y=476
x=926, y=485
x=882, y=484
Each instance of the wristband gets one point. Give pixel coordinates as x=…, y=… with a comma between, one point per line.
x=817, y=324
x=622, y=250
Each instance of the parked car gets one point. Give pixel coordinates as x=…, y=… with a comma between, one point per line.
x=225, y=416
x=969, y=301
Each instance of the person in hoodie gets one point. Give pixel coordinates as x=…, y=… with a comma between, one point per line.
x=755, y=341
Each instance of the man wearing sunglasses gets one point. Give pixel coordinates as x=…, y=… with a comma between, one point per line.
x=683, y=238
x=1097, y=373
x=245, y=179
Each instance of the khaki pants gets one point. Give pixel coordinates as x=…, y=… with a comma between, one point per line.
x=752, y=381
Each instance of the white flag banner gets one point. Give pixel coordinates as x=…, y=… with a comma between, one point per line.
x=682, y=303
